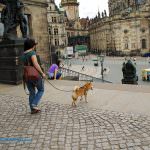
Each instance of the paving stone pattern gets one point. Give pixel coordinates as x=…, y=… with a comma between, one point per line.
x=61, y=127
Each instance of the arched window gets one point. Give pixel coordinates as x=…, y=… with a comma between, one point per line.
x=144, y=43
x=56, y=42
x=126, y=45
x=54, y=20
x=68, y=34
x=55, y=31
x=49, y=31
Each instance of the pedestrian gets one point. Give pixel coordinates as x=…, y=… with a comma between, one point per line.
x=35, y=87
x=83, y=67
x=104, y=70
x=70, y=64
x=82, y=58
x=134, y=59
x=125, y=58
x=53, y=71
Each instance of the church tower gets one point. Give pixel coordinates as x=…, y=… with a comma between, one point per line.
x=72, y=9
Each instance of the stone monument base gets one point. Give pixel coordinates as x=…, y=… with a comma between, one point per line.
x=10, y=63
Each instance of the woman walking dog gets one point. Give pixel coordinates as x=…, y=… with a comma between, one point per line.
x=30, y=60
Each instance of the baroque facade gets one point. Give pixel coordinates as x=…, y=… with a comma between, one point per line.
x=56, y=27
x=126, y=29
x=36, y=14
x=65, y=24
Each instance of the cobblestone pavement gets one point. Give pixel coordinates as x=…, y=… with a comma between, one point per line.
x=61, y=127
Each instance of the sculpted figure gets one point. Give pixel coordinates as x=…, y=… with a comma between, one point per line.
x=102, y=15
x=99, y=15
x=129, y=73
x=13, y=15
x=105, y=13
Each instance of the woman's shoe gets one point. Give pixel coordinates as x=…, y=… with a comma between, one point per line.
x=34, y=111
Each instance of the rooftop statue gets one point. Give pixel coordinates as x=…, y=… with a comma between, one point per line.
x=12, y=16
x=105, y=13
x=102, y=15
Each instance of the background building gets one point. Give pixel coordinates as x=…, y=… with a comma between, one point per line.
x=56, y=27
x=125, y=30
x=64, y=25
x=76, y=28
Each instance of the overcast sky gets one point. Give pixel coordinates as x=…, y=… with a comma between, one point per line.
x=90, y=7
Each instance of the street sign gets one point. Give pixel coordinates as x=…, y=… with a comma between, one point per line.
x=81, y=48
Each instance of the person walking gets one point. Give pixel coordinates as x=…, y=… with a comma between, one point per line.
x=35, y=87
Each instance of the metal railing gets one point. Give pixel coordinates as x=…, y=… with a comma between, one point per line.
x=79, y=76
x=69, y=74
x=73, y=75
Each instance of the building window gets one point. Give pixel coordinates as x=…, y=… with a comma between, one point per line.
x=133, y=45
x=55, y=31
x=68, y=34
x=54, y=20
x=49, y=31
x=56, y=42
x=126, y=45
x=72, y=33
x=143, y=43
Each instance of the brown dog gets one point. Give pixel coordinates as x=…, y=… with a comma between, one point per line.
x=81, y=91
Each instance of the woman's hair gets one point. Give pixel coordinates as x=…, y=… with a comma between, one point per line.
x=58, y=63
x=29, y=43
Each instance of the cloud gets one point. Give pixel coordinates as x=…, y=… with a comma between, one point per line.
x=90, y=7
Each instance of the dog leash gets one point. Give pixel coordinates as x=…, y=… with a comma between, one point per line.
x=56, y=87
x=24, y=85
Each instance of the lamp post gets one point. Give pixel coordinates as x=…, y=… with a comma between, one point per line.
x=101, y=58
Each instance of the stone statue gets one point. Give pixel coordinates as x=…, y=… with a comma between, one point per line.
x=13, y=15
x=105, y=13
x=129, y=73
x=102, y=15
x=99, y=15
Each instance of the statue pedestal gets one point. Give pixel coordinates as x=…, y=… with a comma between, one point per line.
x=10, y=63
x=130, y=81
